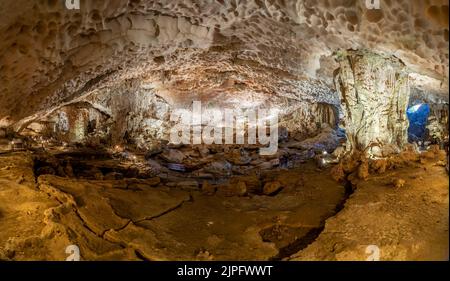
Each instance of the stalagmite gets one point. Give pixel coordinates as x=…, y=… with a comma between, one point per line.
x=221, y=130
x=374, y=92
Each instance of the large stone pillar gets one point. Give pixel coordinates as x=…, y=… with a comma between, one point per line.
x=374, y=93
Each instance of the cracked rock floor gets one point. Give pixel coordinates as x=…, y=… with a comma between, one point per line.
x=145, y=219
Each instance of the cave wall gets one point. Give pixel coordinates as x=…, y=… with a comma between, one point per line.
x=139, y=117
x=374, y=93
x=80, y=124
x=308, y=120
x=132, y=114
x=437, y=125
x=50, y=54
x=74, y=123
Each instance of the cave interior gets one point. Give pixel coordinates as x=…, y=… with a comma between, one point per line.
x=115, y=138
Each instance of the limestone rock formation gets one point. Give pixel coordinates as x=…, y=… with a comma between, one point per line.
x=374, y=92
x=251, y=52
x=87, y=151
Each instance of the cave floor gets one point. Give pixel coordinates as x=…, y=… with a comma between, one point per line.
x=310, y=218
x=405, y=223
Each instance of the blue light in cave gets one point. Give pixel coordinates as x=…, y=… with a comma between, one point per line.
x=418, y=117
x=413, y=109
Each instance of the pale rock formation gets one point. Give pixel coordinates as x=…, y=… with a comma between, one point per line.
x=374, y=94
x=231, y=53
x=438, y=122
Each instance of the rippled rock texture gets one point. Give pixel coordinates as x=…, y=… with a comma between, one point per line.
x=248, y=51
x=86, y=97
x=374, y=94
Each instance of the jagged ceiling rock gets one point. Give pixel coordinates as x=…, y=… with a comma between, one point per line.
x=224, y=51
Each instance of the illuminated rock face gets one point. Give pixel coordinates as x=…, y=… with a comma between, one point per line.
x=223, y=50
x=437, y=123
x=130, y=114
x=374, y=92
x=130, y=60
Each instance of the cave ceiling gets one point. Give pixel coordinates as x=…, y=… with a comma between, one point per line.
x=223, y=52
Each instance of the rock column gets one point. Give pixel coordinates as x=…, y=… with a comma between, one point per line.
x=374, y=92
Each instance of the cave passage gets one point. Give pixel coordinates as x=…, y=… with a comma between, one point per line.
x=222, y=130
x=418, y=120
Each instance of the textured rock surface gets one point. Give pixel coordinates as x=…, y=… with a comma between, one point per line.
x=403, y=212
x=248, y=51
x=85, y=100
x=374, y=94
x=130, y=113
x=143, y=219
x=438, y=122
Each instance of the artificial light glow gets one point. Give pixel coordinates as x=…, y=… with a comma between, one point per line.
x=414, y=108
